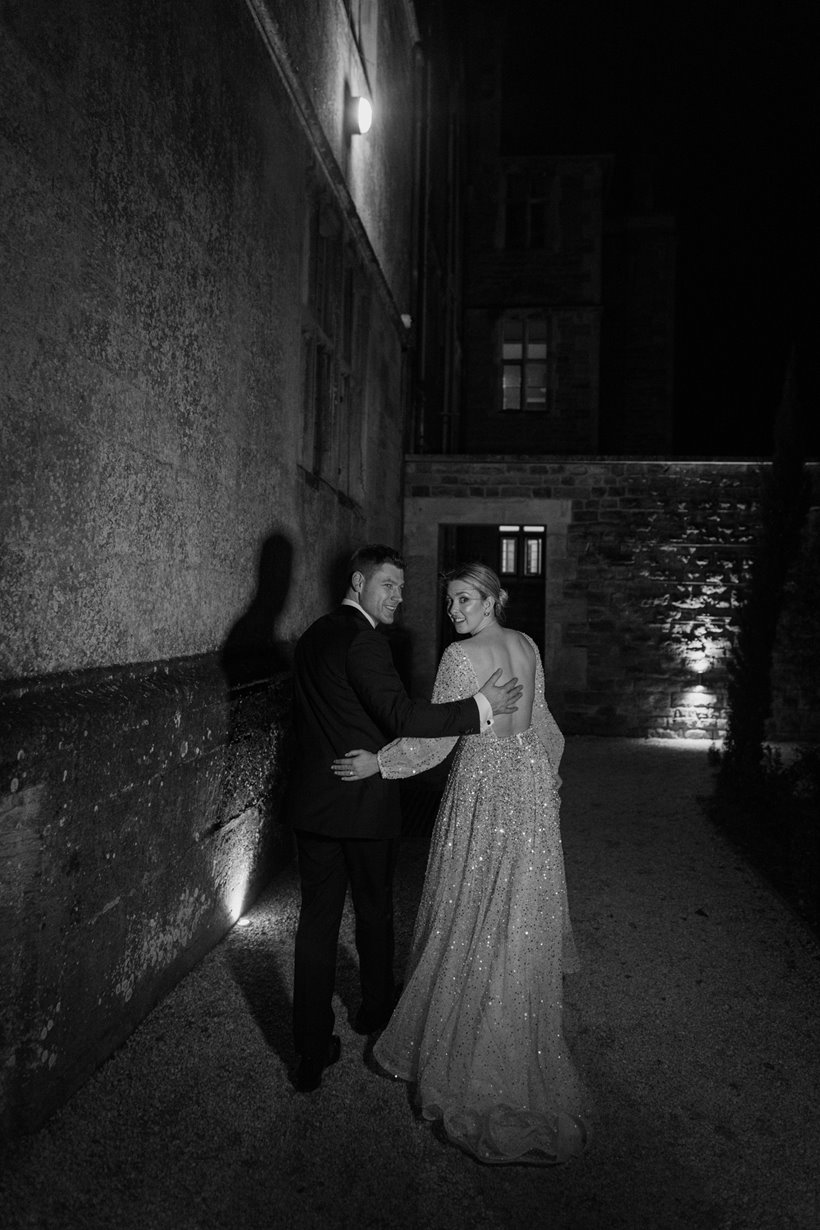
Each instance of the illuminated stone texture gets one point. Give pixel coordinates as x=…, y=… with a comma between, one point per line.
x=647, y=565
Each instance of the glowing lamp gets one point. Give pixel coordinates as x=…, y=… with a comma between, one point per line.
x=359, y=114
x=237, y=889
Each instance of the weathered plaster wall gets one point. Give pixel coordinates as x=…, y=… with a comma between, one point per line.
x=647, y=565
x=163, y=544
x=150, y=346
x=154, y=196
x=330, y=58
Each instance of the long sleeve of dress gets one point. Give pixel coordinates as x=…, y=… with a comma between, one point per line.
x=545, y=725
x=455, y=680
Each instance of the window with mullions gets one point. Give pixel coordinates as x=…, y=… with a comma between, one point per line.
x=349, y=379
x=527, y=206
x=524, y=363
x=333, y=330
x=521, y=550
x=363, y=16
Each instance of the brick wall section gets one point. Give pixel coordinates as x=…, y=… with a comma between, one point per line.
x=650, y=568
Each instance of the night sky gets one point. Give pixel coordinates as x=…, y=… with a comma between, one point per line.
x=719, y=103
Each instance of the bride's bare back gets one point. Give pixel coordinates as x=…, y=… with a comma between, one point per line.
x=497, y=646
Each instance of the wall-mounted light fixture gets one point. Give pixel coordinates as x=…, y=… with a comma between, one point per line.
x=359, y=114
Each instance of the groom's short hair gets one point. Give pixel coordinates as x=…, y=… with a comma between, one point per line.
x=368, y=558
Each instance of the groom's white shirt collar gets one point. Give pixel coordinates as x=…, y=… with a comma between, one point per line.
x=357, y=606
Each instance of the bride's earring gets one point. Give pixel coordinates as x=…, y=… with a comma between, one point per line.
x=484, y=620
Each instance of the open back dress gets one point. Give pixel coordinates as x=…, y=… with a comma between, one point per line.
x=478, y=1028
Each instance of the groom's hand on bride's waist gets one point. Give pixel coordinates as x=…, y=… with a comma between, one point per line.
x=503, y=697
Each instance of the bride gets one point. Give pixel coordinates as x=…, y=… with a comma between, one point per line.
x=478, y=1028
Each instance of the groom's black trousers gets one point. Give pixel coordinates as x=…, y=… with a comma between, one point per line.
x=326, y=866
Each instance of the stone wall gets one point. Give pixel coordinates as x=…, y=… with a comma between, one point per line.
x=560, y=276
x=138, y=821
x=570, y=423
x=564, y=268
x=647, y=564
x=638, y=337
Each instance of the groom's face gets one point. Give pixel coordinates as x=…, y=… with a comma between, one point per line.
x=380, y=594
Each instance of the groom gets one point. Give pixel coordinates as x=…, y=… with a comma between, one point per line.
x=347, y=694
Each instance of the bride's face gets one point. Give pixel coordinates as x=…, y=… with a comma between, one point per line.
x=465, y=607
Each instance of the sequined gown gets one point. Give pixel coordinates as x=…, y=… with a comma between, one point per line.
x=479, y=1025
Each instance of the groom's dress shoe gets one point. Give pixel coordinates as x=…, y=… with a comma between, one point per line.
x=309, y=1072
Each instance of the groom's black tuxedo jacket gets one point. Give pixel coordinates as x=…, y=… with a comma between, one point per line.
x=348, y=695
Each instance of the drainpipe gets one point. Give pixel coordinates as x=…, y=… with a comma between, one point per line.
x=420, y=227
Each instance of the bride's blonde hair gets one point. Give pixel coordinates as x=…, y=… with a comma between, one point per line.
x=485, y=580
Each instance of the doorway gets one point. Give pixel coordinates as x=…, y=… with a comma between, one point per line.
x=517, y=552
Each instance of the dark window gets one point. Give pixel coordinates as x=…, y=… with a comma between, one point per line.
x=527, y=210
x=333, y=331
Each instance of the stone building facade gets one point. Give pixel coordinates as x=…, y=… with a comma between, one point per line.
x=560, y=442
x=646, y=565
x=568, y=290
x=532, y=299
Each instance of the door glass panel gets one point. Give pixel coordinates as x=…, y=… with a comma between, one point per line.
x=512, y=388
x=532, y=557
x=508, y=554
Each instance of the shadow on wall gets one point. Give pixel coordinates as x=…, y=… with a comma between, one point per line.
x=256, y=666
x=251, y=650
x=338, y=577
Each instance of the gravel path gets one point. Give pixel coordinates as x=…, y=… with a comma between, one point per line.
x=694, y=1021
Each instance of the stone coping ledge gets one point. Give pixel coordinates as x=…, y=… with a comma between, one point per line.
x=530, y=459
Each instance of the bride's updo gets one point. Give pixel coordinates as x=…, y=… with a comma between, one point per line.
x=485, y=580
